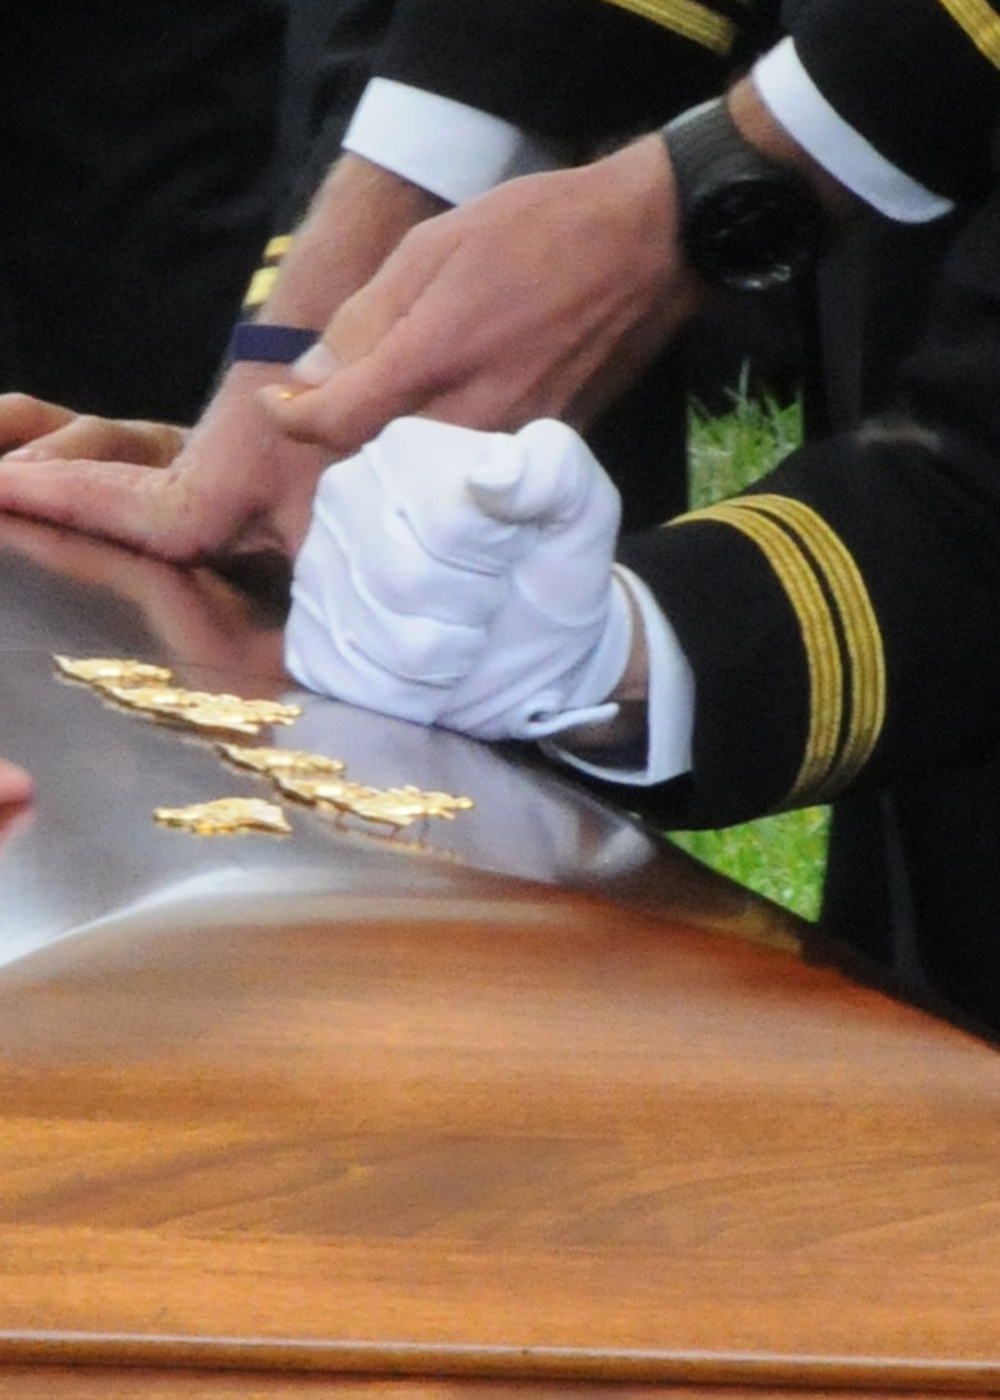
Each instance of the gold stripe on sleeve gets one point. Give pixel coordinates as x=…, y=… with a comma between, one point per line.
x=860, y=629
x=981, y=22
x=260, y=288
x=819, y=638
x=688, y=19
x=262, y=282
x=277, y=247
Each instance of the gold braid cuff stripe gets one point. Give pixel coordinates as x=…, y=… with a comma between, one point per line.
x=688, y=19
x=862, y=637
x=277, y=247
x=819, y=637
x=263, y=280
x=802, y=550
x=981, y=22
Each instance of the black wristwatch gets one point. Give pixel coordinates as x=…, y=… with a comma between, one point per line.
x=746, y=221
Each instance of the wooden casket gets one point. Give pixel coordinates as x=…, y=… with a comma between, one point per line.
x=519, y=1102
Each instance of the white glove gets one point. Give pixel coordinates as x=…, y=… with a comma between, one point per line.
x=465, y=579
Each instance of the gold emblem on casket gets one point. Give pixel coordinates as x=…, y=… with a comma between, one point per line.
x=225, y=816
x=324, y=791
x=144, y=687
x=307, y=777
x=229, y=712
x=388, y=806
x=110, y=670
x=201, y=709
x=272, y=761
x=406, y=805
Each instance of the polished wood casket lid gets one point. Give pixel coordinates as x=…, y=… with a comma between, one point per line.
x=529, y=1097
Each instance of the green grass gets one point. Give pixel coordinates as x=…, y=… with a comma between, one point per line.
x=730, y=452
x=780, y=857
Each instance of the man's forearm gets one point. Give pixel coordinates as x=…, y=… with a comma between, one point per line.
x=762, y=129
x=358, y=216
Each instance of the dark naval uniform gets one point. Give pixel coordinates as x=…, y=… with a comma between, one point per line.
x=135, y=145
x=329, y=53
x=579, y=73
x=843, y=617
x=839, y=616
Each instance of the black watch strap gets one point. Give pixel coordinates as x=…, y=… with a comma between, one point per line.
x=746, y=221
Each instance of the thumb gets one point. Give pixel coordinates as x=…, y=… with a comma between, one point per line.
x=314, y=366
x=555, y=482
x=350, y=407
x=543, y=474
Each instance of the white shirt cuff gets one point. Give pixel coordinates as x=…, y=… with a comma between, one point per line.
x=445, y=147
x=797, y=103
x=671, y=701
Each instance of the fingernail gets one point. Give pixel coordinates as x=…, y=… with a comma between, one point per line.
x=316, y=365
x=22, y=454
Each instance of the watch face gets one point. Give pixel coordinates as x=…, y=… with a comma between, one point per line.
x=753, y=233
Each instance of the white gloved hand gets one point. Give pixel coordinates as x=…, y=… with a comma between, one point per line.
x=465, y=579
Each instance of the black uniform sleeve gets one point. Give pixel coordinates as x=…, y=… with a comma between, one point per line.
x=329, y=51
x=576, y=72
x=919, y=78
x=843, y=618
x=579, y=73
x=135, y=152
